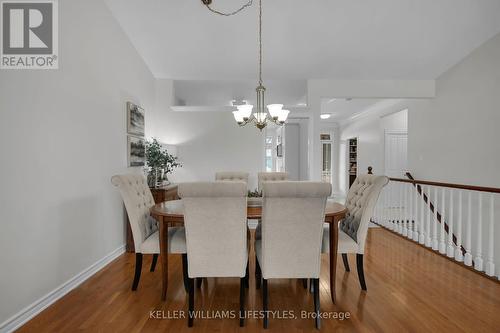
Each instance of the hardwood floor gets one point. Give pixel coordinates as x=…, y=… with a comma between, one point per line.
x=409, y=290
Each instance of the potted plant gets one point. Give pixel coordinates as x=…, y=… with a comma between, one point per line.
x=159, y=163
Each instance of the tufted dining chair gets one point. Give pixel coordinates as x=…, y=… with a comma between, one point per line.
x=353, y=229
x=215, y=218
x=270, y=177
x=292, y=225
x=232, y=176
x=138, y=200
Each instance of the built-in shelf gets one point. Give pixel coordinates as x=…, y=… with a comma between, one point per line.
x=353, y=160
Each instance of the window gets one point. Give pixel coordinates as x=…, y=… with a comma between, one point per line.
x=269, y=153
x=326, y=156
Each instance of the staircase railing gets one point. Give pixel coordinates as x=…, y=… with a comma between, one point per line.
x=454, y=220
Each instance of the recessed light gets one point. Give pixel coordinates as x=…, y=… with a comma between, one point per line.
x=325, y=116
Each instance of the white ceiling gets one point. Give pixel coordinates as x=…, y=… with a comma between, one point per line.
x=343, y=110
x=222, y=92
x=342, y=39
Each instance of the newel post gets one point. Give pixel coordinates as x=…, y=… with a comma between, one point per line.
x=370, y=170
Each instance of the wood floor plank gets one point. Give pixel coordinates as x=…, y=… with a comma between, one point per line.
x=409, y=290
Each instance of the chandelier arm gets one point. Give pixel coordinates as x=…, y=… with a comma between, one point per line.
x=207, y=3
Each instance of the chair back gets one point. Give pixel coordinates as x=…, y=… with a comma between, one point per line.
x=138, y=201
x=232, y=176
x=271, y=177
x=292, y=227
x=360, y=203
x=215, y=219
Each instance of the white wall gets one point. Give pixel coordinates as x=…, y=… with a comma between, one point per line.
x=62, y=137
x=207, y=142
x=318, y=89
x=454, y=137
x=299, y=150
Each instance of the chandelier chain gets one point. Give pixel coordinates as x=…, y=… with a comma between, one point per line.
x=207, y=3
x=260, y=42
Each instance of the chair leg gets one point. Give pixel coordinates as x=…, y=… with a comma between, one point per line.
x=304, y=283
x=316, y=303
x=258, y=274
x=138, y=269
x=185, y=272
x=361, y=273
x=153, y=263
x=264, y=302
x=191, y=303
x=246, y=278
x=311, y=286
x=199, y=281
x=243, y=283
x=346, y=262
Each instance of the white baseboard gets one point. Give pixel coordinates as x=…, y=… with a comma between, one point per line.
x=39, y=305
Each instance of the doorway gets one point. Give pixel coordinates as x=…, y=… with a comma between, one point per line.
x=396, y=153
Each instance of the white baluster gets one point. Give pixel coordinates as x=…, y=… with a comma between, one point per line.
x=428, y=241
x=389, y=206
x=478, y=260
x=451, y=247
x=421, y=224
x=468, y=234
x=435, y=243
x=490, y=264
x=417, y=225
x=409, y=216
x=411, y=219
x=386, y=216
x=403, y=210
x=442, y=244
x=458, y=249
x=425, y=226
x=400, y=210
x=409, y=211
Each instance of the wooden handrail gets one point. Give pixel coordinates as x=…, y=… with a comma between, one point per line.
x=450, y=185
x=427, y=200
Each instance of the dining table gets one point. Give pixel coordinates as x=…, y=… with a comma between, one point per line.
x=171, y=213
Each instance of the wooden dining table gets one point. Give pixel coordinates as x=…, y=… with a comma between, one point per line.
x=170, y=213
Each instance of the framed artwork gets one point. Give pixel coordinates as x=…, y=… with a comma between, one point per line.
x=135, y=119
x=136, y=149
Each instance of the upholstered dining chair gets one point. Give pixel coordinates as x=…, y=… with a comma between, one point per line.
x=292, y=226
x=270, y=177
x=267, y=177
x=138, y=200
x=353, y=229
x=215, y=218
x=232, y=176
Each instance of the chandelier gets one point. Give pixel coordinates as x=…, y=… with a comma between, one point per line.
x=244, y=115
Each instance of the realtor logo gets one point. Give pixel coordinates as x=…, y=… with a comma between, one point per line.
x=29, y=35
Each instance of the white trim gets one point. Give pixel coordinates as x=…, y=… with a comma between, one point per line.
x=45, y=301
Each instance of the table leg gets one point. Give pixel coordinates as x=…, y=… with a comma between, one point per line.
x=164, y=257
x=333, y=256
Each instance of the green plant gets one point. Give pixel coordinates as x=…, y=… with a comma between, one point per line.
x=254, y=194
x=158, y=159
